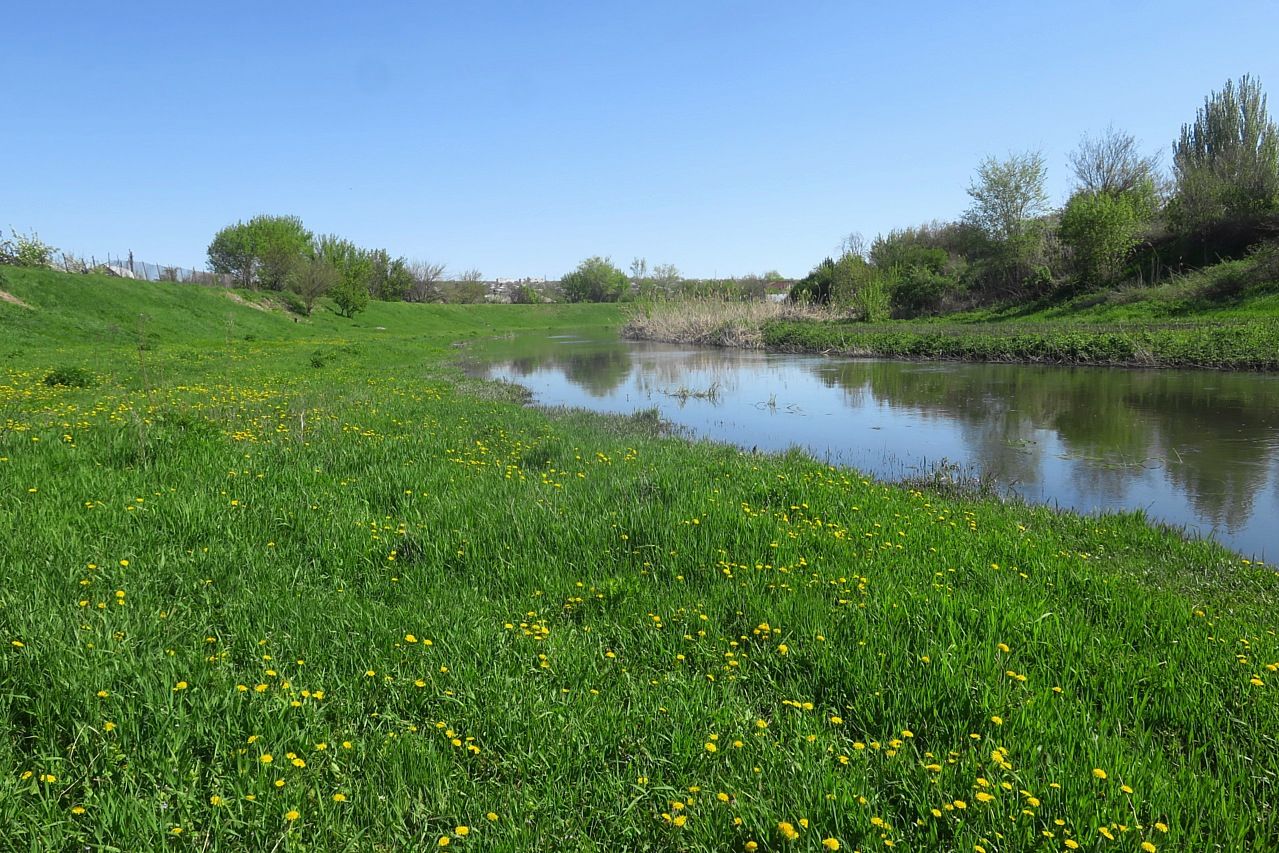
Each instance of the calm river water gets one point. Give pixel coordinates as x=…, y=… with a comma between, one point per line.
x=1195, y=449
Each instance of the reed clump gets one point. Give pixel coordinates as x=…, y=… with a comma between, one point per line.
x=716, y=322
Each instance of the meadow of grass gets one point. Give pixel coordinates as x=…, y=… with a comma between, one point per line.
x=270, y=585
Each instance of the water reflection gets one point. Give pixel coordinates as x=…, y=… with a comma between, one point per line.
x=1191, y=448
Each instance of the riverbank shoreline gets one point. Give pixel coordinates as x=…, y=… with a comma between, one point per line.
x=1245, y=345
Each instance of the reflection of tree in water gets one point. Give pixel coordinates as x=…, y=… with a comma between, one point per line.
x=1214, y=433
x=598, y=371
x=999, y=434
x=1219, y=456
x=596, y=367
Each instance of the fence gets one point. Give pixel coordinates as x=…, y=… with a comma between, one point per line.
x=128, y=267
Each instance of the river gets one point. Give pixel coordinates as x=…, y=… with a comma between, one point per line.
x=1197, y=450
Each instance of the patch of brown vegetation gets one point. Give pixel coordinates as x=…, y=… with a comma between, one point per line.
x=13, y=300
x=248, y=303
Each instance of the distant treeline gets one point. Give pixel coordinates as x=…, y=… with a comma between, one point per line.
x=1127, y=221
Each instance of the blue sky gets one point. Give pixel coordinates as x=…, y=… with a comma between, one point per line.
x=519, y=138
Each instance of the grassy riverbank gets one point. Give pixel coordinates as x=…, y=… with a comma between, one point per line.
x=1222, y=318
x=282, y=585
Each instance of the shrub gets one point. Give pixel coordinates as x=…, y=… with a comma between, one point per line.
x=1100, y=229
x=595, y=280
x=70, y=377
x=25, y=250
x=922, y=290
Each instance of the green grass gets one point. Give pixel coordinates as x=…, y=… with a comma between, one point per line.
x=1240, y=345
x=220, y=551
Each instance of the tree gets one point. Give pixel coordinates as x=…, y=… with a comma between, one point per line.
x=354, y=266
x=260, y=252
x=1101, y=229
x=1009, y=201
x=390, y=279
x=232, y=253
x=1112, y=163
x=852, y=244
x=594, y=280
x=639, y=271
x=311, y=278
x=666, y=276
x=279, y=242
x=1008, y=195
x=834, y=281
x=426, y=277
x=350, y=296
x=1226, y=163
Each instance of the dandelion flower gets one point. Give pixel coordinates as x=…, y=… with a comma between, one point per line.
x=830, y=843
x=339, y=797
x=292, y=815
x=1099, y=773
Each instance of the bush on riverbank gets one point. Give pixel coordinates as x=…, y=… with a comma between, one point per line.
x=1247, y=345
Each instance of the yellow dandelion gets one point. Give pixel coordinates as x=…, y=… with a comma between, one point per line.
x=1099, y=773
x=292, y=815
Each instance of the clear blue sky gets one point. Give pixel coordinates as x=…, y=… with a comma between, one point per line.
x=723, y=137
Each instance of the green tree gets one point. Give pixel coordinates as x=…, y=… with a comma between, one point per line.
x=834, y=281
x=1226, y=163
x=1101, y=229
x=594, y=280
x=261, y=252
x=232, y=253
x=390, y=279
x=354, y=266
x=350, y=296
x=280, y=242
x=1008, y=205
